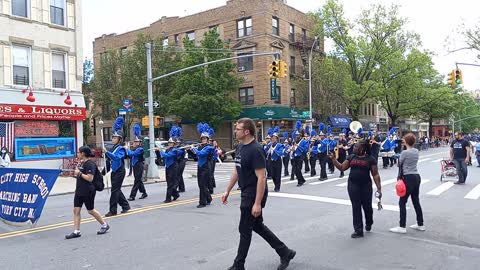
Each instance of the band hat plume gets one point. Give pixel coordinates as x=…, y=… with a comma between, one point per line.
x=285, y=136
x=298, y=127
x=118, y=127
x=204, y=130
x=137, y=129
x=275, y=131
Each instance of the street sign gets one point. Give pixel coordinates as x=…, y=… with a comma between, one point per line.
x=156, y=104
x=273, y=89
x=122, y=111
x=127, y=103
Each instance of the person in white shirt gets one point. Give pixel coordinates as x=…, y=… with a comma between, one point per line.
x=4, y=158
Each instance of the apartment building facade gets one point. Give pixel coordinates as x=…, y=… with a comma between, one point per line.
x=41, y=104
x=246, y=26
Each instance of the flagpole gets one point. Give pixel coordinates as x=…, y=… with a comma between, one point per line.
x=104, y=157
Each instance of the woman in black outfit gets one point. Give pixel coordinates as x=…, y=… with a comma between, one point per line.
x=360, y=185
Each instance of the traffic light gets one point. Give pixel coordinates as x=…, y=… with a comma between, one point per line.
x=451, y=78
x=458, y=76
x=274, y=69
x=283, y=69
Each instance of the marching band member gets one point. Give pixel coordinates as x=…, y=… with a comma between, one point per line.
x=332, y=143
x=274, y=154
x=213, y=161
x=306, y=136
x=350, y=143
x=295, y=142
x=341, y=146
x=298, y=154
x=313, y=150
x=287, y=143
x=321, y=144
x=171, y=170
x=204, y=153
x=137, y=164
x=375, y=142
x=393, y=145
x=181, y=161
x=385, y=148
x=115, y=160
x=267, y=147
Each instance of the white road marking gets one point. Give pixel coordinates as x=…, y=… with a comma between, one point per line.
x=421, y=183
x=437, y=160
x=387, y=182
x=327, y=181
x=290, y=182
x=387, y=207
x=440, y=189
x=474, y=193
x=423, y=159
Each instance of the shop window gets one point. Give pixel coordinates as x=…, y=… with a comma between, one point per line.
x=245, y=64
x=275, y=28
x=244, y=27
x=57, y=12
x=58, y=71
x=21, y=65
x=246, y=96
x=20, y=8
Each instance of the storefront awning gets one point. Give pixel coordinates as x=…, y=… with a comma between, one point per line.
x=339, y=121
x=274, y=113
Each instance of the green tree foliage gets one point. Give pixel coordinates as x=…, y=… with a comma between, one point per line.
x=365, y=45
x=205, y=94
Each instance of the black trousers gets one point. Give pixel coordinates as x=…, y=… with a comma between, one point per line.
x=247, y=224
x=286, y=160
x=172, y=181
x=341, y=159
x=276, y=171
x=116, y=196
x=269, y=168
x=331, y=168
x=307, y=165
x=181, y=167
x=292, y=175
x=212, y=184
x=138, y=183
x=361, y=198
x=322, y=158
x=412, y=182
x=313, y=163
x=203, y=178
x=297, y=169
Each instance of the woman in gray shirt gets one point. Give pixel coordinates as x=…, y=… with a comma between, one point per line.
x=408, y=162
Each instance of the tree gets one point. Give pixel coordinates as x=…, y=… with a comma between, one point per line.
x=380, y=35
x=205, y=94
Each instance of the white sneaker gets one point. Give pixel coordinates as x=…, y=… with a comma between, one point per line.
x=398, y=230
x=418, y=228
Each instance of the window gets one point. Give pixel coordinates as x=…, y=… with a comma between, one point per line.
x=107, y=133
x=21, y=65
x=58, y=70
x=245, y=64
x=292, y=97
x=304, y=35
x=20, y=8
x=369, y=109
x=246, y=96
x=278, y=98
x=365, y=109
x=275, y=30
x=291, y=33
x=191, y=35
x=213, y=27
x=165, y=42
x=177, y=39
x=57, y=12
x=123, y=51
x=244, y=27
x=292, y=64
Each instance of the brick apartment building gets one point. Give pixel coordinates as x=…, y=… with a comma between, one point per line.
x=246, y=26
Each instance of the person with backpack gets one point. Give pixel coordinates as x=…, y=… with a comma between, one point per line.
x=136, y=156
x=85, y=192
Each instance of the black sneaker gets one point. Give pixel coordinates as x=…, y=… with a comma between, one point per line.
x=176, y=197
x=459, y=183
x=144, y=195
x=72, y=235
x=201, y=206
x=234, y=267
x=131, y=199
x=368, y=228
x=103, y=230
x=285, y=261
x=111, y=214
x=357, y=234
x=125, y=210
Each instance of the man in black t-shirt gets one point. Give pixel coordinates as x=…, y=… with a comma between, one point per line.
x=85, y=192
x=460, y=155
x=375, y=142
x=250, y=174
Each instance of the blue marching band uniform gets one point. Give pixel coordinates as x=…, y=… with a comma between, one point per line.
x=205, y=153
x=137, y=163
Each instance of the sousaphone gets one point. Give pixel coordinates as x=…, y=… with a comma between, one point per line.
x=355, y=126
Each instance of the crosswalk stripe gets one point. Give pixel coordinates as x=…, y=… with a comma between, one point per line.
x=387, y=182
x=437, y=160
x=421, y=183
x=423, y=159
x=290, y=182
x=474, y=193
x=342, y=184
x=326, y=181
x=440, y=189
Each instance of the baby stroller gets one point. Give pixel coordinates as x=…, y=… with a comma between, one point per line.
x=449, y=170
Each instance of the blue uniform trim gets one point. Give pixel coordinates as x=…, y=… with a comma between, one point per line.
x=170, y=156
x=135, y=154
x=203, y=154
x=116, y=157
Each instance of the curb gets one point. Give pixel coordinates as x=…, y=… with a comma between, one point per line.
x=127, y=185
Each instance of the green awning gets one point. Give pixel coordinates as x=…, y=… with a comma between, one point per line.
x=274, y=113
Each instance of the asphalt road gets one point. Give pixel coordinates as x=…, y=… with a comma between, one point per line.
x=314, y=219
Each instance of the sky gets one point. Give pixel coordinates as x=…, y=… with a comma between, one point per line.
x=437, y=22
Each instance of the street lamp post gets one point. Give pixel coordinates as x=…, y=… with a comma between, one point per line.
x=310, y=76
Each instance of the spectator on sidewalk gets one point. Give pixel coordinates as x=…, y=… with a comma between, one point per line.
x=460, y=155
x=4, y=158
x=85, y=192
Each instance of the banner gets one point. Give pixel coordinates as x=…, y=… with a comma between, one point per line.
x=23, y=193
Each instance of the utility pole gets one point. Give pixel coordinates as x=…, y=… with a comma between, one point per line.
x=152, y=171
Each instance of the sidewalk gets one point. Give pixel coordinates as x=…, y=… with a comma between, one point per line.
x=66, y=185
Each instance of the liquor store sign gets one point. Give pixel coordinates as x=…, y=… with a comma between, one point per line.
x=39, y=112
